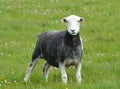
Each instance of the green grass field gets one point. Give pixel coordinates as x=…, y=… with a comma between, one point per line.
x=22, y=20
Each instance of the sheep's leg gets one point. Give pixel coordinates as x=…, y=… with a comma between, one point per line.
x=46, y=70
x=36, y=55
x=78, y=72
x=29, y=70
x=63, y=72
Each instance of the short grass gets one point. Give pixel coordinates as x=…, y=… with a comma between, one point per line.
x=22, y=20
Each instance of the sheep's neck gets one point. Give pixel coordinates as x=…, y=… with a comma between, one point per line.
x=72, y=40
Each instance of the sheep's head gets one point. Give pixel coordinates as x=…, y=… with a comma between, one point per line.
x=73, y=24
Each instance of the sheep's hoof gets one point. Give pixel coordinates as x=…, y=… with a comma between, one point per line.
x=25, y=80
x=64, y=80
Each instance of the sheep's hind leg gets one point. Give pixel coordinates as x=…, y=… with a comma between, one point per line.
x=46, y=70
x=29, y=70
x=36, y=55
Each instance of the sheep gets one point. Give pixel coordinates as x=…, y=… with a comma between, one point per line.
x=60, y=49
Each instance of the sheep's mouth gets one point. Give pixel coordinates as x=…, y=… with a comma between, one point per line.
x=73, y=33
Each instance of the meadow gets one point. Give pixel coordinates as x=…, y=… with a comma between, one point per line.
x=22, y=20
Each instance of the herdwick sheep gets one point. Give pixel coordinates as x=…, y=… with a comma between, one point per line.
x=60, y=49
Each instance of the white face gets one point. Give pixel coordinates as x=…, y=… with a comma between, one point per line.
x=73, y=24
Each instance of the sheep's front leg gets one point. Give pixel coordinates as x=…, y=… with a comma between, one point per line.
x=78, y=72
x=63, y=73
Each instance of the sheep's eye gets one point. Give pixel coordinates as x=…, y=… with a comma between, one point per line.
x=78, y=20
x=66, y=21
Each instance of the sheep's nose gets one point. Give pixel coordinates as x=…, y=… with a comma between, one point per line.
x=72, y=30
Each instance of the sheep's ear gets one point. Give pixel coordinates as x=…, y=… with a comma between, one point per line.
x=63, y=20
x=82, y=19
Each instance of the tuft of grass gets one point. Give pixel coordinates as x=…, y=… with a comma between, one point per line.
x=22, y=20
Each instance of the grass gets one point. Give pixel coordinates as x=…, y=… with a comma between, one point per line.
x=22, y=20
